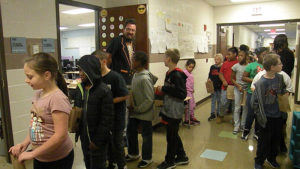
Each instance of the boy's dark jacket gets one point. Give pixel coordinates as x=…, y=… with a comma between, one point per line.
x=174, y=90
x=99, y=107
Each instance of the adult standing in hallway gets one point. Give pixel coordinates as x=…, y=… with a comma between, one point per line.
x=281, y=47
x=121, y=50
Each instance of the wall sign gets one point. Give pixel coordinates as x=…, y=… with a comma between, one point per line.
x=48, y=45
x=18, y=45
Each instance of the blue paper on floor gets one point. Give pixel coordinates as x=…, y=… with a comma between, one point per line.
x=214, y=155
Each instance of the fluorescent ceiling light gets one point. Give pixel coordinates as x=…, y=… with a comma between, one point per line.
x=271, y=25
x=276, y=33
x=240, y=0
x=278, y=30
x=78, y=11
x=87, y=25
x=63, y=28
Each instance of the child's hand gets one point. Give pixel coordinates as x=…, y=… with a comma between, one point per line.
x=25, y=156
x=240, y=88
x=225, y=83
x=17, y=149
x=159, y=88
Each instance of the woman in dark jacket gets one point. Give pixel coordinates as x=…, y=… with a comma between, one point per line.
x=97, y=119
x=281, y=47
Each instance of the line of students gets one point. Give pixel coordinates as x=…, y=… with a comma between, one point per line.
x=103, y=102
x=267, y=81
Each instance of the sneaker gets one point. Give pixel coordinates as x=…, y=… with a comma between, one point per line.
x=255, y=137
x=273, y=164
x=241, y=128
x=129, y=157
x=219, y=119
x=181, y=160
x=245, y=134
x=144, y=163
x=166, y=165
x=211, y=117
x=236, y=130
x=257, y=166
x=195, y=120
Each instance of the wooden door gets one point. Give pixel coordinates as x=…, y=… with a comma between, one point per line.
x=110, y=25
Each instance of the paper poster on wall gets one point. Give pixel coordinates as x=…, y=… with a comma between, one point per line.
x=185, y=45
x=48, y=45
x=18, y=45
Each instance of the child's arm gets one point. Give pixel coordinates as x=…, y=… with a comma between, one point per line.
x=246, y=78
x=148, y=92
x=120, y=99
x=232, y=78
x=60, y=120
x=221, y=76
x=20, y=148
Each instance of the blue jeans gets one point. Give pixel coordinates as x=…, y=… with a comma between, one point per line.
x=132, y=137
x=216, y=100
x=250, y=115
x=225, y=103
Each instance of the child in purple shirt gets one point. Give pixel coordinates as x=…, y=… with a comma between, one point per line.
x=189, y=67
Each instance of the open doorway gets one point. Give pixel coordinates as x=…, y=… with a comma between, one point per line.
x=77, y=32
x=259, y=34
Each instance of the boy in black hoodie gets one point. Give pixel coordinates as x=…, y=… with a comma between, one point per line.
x=174, y=91
x=98, y=112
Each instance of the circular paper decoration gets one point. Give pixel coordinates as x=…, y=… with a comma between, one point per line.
x=112, y=27
x=104, y=27
x=121, y=26
x=103, y=20
x=120, y=34
x=112, y=35
x=121, y=18
x=141, y=9
x=103, y=35
x=112, y=19
x=103, y=13
x=103, y=43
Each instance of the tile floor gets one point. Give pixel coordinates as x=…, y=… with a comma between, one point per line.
x=208, y=146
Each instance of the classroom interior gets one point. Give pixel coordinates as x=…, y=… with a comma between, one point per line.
x=199, y=28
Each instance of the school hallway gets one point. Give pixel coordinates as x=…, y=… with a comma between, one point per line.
x=208, y=146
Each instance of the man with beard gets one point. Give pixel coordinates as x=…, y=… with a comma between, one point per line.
x=121, y=50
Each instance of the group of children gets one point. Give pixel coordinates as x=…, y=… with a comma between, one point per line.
x=102, y=95
x=256, y=86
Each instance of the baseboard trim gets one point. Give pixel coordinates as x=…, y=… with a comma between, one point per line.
x=203, y=100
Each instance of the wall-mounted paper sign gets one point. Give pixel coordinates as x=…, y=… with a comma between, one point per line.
x=18, y=45
x=48, y=45
x=112, y=27
x=112, y=19
x=112, y=35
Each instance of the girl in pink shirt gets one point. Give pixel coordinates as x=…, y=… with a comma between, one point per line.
x=48, y=129
x=190, y=65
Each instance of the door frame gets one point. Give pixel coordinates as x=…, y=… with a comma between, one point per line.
x=297, y=71
x=97, y=10
x=4, y=97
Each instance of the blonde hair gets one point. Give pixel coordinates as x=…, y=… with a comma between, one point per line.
x=220, y=56
x=100, y=54
x=270, y=59
x=173, y=54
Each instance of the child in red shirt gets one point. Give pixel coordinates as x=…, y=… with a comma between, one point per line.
x=224, y=75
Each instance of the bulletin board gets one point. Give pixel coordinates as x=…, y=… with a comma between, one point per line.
x=112, y=22
x=174, y=33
